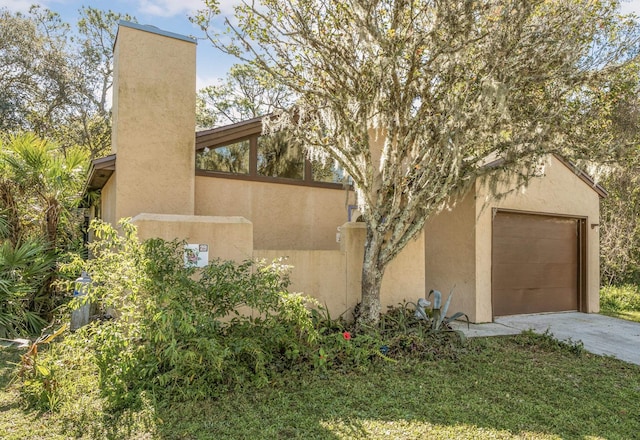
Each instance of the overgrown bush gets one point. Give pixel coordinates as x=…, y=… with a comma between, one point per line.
x=170, y=331
x=40, y=190
x=620, y=225
x=189, y=332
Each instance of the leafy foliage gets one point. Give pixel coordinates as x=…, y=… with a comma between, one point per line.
x=40, y=188
x=625, y=298
x=39, y=79
x=23, y=270
x=48, y=182
x=40, y=383
x=56, y=82
x=620, y=226
x=245, y=94
x=187, y=333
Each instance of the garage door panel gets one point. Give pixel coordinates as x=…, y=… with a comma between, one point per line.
x=519, y=226
x=524, y=275
x=535, y=263
x=518, y=301
x=536, y=250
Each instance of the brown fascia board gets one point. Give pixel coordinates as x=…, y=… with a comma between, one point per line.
x=574, y=169
x=99, y=172
x=228, y=133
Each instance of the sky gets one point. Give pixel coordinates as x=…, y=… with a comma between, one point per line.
x=172, y=16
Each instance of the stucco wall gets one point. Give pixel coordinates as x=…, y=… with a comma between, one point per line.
x=403, y=278
x=283, y=216
x=560, y=191
x=229, y=238
x=108, y=201
x=153, y=123
x=333, y=277
x=458, y=242
x=450, y=263
x=319, y=274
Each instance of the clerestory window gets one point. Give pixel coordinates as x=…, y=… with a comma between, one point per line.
x=273, y=157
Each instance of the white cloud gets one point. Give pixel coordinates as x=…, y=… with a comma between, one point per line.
x=226, y=6
x=628, y=6
x=169, y=8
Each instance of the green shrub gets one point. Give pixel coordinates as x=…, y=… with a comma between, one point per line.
x=620, y=298
x=166, y=331
x=23, y=269
x=187, y=332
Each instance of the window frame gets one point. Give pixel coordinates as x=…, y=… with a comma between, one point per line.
x=253, y=175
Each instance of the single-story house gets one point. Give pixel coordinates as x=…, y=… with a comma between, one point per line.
x=238, y=195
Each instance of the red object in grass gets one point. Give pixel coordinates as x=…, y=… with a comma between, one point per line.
x=347, y=335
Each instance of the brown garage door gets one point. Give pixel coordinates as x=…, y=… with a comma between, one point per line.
x=535, y=264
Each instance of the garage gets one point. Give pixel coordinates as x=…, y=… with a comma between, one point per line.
x=536, y=263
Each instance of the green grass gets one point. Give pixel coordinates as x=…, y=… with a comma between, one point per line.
x=621, y=302
x=628, y=315
x=525, y=387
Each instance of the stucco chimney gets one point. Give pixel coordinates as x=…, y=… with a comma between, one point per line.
x=154, y=93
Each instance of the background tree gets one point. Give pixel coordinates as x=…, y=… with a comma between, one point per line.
x=620, y=226
x=39, y=78
x=54, y=82
x=54, y=116
x=620, y=210
x=245, y=94
x=413, y=97
x=97, y=31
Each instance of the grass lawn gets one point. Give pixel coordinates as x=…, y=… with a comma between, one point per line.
x=524, y=387
x=629, y=315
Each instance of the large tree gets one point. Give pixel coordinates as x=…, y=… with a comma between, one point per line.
x=413, y=97
x=245, y=94
x=91, y=123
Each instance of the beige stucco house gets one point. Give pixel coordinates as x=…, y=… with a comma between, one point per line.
x=244, y=196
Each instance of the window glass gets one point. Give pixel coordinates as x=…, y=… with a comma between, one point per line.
x=329, y=172
x=232, y=158
x=280, y=156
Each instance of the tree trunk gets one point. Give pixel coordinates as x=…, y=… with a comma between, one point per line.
x=52, y=217
x=372, y=272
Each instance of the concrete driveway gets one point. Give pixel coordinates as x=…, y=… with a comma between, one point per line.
x=600, y=334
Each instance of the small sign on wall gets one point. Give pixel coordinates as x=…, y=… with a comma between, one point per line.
x=196, y=255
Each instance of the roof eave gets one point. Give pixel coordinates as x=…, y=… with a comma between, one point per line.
x=228, y=133
x=99, y=172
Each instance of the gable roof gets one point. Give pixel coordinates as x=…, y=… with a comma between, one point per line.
x=573, y=168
